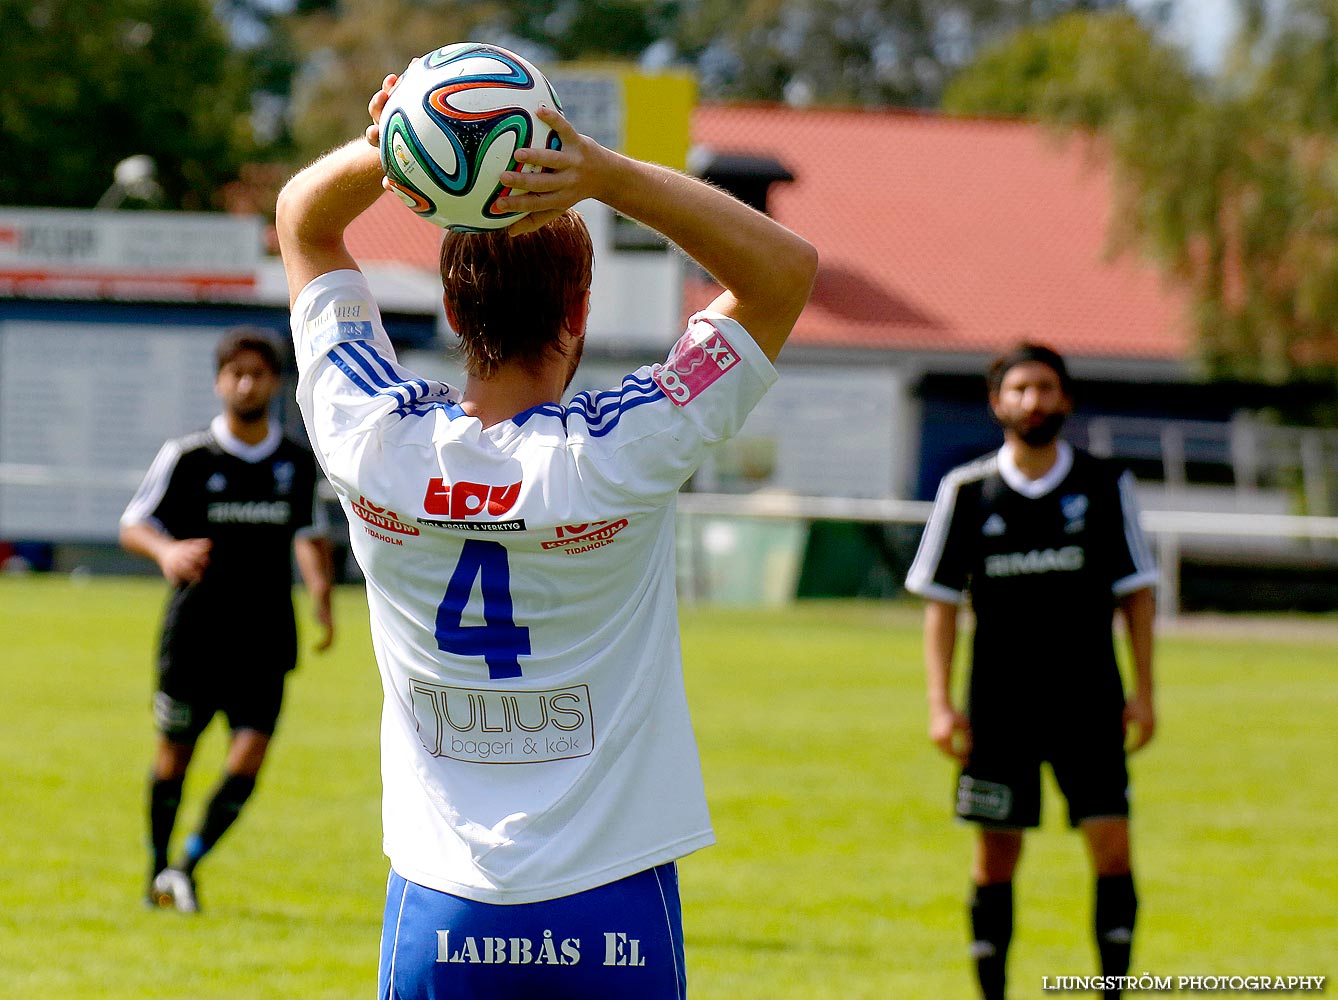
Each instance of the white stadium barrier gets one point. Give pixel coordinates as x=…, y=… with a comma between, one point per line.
x=1172, y=531
x=1175, y=532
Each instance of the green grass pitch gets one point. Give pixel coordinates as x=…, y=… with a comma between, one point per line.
x=838, y=872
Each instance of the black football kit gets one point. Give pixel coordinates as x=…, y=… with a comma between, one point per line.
x=1043, y=563
x=228, y=640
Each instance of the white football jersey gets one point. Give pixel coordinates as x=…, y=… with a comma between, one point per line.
x=535, y=732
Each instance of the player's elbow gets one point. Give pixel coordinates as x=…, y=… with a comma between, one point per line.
x=133, y=538
x=797, y=269
x=288, y=213
x=792, y=273
x=297, y=217
x=807, y=255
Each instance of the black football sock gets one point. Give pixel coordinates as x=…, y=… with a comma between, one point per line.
x=164, y=801
x=222, y=811
x=991, y=933
x=1115, y=910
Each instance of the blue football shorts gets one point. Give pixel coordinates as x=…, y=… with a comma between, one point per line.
x=620, y=940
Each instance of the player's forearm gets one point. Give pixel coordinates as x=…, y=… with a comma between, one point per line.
x=1139, y=610
x=315, y=564
x=319, y=203
x=144, y=539
x=940, y=644
x=768, y=269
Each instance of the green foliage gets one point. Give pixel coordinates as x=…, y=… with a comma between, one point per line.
x=1080, y=70
x=838, y=874
x=1230, y=181
x=593, y=29
x=84, y=85
x=868, y=52
x=1015, y=78
x=347, y=49
x=844, y=52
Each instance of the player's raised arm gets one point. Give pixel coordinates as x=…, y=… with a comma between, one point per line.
x=767, y=271
x=321, y=200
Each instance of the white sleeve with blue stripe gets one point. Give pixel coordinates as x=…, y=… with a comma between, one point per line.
x=335, y=320
x=648, y=435
x=641, y=439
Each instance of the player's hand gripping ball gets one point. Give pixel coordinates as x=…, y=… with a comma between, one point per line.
x=451, y=126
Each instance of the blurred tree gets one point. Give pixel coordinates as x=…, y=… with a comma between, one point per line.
x=348, y=46
x=864, y=52
x=83, y=86
x=592, y=29
x=1230, y=179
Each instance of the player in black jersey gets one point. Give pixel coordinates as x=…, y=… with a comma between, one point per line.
x=222, y=512
x=1045, y=540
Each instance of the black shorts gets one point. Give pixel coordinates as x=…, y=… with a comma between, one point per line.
x=219, y=656
x=1001, y=782
x=247, y=699
x=243, y=680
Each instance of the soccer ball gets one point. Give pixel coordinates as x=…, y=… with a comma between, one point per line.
x=452, y=124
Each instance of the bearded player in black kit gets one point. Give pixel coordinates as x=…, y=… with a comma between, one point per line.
x=222, y=512
x=1044, y=539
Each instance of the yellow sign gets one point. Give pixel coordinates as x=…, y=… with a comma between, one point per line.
x=645, y=115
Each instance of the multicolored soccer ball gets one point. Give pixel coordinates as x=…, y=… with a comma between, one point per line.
x=452, y=124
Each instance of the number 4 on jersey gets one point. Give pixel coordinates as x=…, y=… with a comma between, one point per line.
x=500, y=641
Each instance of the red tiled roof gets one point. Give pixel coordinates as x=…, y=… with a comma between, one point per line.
x=947, y=234
x=935, y=234
x=388, y=231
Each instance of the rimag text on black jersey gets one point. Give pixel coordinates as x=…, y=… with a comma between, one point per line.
x=1043, y=563
x=249, y=505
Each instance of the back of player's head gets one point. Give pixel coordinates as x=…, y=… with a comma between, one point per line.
x=1024, y=352
x=248, y=338
x=509, y=296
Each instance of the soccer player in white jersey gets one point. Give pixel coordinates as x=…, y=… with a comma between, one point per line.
x=1045, y=540
x=540, y=773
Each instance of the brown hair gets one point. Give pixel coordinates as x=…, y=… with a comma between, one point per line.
x=248, y=338
x=1022, y=353
x=510, y=296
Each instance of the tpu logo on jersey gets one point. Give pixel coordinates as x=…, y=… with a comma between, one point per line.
x=460, y=501
x=700, y=357
x=993, y=526
x=380, y=519
x=573, y=539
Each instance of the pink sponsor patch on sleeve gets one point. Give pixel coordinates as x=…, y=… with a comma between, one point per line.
x=700, y=357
